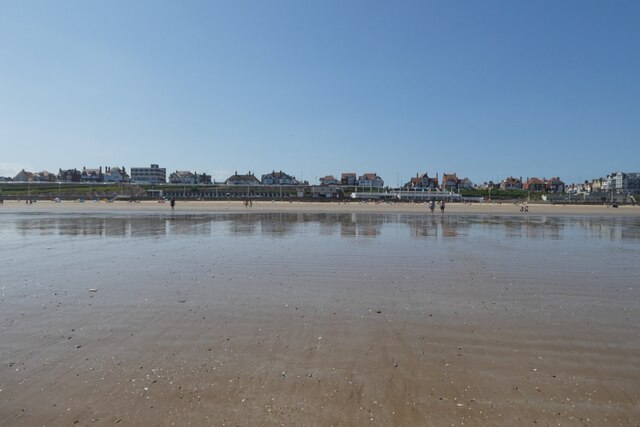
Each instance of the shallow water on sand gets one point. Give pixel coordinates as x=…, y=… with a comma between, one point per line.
x=297, y=318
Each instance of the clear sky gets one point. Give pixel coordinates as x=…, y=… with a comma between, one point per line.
x=485, y=89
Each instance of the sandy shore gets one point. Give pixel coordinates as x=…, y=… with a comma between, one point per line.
x=316, y=328
x=267, y=206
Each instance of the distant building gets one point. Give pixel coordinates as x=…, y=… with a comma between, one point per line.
x=422, y=182
x=554, y=185
x=24, y=176
x=44, y=176
x=624, y=182
x=279, y=178
x=534, y=184
x=329, y=180
x=370, y=180
x=464, y=183
x=6, y=179
x=489, y=186
x=449, y=182
x=92, y=175
x=511, y=183
x=151, y=175
x=348, y=178
x=187, y=177
x=595, y=185
x=203, y=178
x=69, y=175
x=248, y=179
x=183, y=177
x=115, y=174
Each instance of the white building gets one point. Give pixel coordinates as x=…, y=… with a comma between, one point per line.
x=183, y=177
x=115, y=174
x=624, y=182
x=370, y=180
x=150, y=175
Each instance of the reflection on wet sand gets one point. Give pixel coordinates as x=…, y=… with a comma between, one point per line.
x=319, y=319
x=324, y=224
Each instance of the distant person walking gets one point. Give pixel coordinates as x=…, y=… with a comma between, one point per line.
x=442, y=207
x=173, y=202
x=432, y=206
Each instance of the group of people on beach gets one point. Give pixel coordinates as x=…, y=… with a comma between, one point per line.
x=432, y=206
x=248, y=203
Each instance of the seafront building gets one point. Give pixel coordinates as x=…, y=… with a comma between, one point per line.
x=278, y=178
x=151, y=175
x=422, y=182
x=329, y=180
x=511, y=183
x=92, y=175
x=115, y=174
x=623, y=182
x=248, y=179
x=44, y=176
x=187, y=177
x=370, y=180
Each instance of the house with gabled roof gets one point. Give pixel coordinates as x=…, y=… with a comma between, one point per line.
x=449, y=182
x=43, y=176
x=278, y=178
x=182, y=177
x=92, y=175
x=24, y=176
x=348, y=178
x=329, y=180
x=465, y=183
x=370, y=180
x=248, y=179
x=69, y=175
x=534, y=184
x=554, y=185
x=422, y=182
x=115, y=174
x=511, y=183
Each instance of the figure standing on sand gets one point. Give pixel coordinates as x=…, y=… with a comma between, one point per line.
x=442, y=207
x=432, y=206
x=173, y=202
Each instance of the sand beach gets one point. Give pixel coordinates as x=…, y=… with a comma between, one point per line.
x=318, y=314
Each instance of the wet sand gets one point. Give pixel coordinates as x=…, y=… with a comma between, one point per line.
x=253, y=322
x=321, y=207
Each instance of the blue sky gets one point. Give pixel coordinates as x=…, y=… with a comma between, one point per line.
x=485, y=89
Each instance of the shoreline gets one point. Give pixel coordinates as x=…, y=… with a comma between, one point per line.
x=199, y=207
